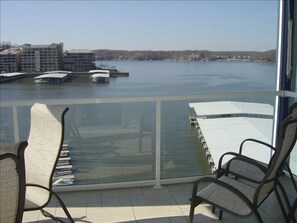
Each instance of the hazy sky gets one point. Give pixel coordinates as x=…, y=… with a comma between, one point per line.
x=142, y=25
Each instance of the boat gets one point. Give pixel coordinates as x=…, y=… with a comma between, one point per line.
x=51, y=78
x=100, y=76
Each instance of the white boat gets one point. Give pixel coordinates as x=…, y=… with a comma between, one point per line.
x=100, y=76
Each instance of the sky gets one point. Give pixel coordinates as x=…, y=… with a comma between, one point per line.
x=218, y=25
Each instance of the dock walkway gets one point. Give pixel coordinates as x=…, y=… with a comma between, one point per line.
x=222, y=126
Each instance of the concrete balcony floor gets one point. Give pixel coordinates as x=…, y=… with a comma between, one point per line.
x=148, y=205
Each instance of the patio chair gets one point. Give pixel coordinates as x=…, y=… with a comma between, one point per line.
x=41, y=156
x=12, y=182
x=256, y=171
x=243, y=198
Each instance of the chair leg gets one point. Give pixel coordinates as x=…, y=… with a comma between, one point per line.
x=291, y=175
x=64, y=207
x=220, y=215
x=192, y=213
x=286, y=199
x=291, y=216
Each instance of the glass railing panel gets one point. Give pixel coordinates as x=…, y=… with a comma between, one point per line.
x=6, y=125
x=116, y=141
x=111, y=142
x=181, y=152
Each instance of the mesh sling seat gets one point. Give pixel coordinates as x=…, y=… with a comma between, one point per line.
x=242, y=198
x=44, y=146
x=12, y=182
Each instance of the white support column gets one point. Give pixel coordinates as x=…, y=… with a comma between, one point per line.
x=158, y=145
x=279, y=67
x=15, y=124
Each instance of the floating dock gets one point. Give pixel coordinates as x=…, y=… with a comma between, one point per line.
x=7, y=77
x=51, y=78
x=222, y=126
x=63, y=173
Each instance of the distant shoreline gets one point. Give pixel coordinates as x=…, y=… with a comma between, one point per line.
x=185, y=55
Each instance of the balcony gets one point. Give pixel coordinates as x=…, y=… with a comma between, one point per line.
x=123, y=176
x=168, y=204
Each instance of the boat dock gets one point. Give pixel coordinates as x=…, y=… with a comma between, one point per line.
x=222, y=126
x=112, y=73
x=52, y=77
x=7, y=77
x=63, y=173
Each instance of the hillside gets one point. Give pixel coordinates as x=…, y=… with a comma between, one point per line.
x=186, y=55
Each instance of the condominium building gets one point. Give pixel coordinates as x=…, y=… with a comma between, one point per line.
x=9, y=60
x=79, y=60
x=41, y=57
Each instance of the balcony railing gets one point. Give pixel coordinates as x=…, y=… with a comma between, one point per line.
x=119, y=142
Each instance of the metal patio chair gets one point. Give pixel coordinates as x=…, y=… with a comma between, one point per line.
x=12, y=182
x=256, y=171
x=242, y=198
x=41, y=156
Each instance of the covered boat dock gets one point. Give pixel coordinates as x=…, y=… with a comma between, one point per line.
x=223, y=125
x=51, y=78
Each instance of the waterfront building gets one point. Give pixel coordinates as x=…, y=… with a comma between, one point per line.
x=9, y=60
x=35, y=58
x=79, y=60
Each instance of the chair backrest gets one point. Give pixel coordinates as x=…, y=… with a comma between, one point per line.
x=12, y=182
x=44, y=143
x=287, y=140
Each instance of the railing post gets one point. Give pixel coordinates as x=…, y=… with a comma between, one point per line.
x=158, y=145
x=15, y=123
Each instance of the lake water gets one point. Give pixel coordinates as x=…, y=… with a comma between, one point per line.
x=109, y=148
x=150, y=78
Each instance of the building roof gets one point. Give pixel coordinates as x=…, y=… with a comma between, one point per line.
x=79, y=51
x=41, y=45
x=8, y=51
x=224, y=133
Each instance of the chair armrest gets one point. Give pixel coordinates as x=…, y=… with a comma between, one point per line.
x=255, y=141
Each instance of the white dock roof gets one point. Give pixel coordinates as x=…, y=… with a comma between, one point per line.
x=99, y=71
x=58, y=71
x=11, y=74
x=100, y=75
x=225, y=133
x=52, y=75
